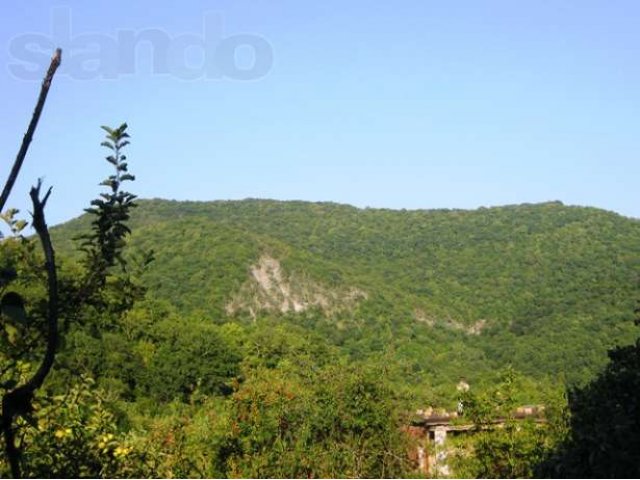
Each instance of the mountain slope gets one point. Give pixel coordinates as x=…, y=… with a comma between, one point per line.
x=453, y=293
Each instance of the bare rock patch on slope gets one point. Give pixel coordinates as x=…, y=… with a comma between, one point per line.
x=475, y=328
x=271, y=289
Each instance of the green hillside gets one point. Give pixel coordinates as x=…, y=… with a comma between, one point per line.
x=547, y=288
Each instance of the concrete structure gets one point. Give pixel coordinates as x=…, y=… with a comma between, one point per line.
x=430, y=429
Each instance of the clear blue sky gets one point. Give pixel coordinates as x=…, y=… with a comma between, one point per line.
x=404, y=104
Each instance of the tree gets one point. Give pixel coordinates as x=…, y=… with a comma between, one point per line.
x=44, y=433
x=19, y=392
x=188, y=356
x=502, y=446
x=104, y=245
x=76, y=435
x=339, y=422
x=604, y=434
x=63, y=438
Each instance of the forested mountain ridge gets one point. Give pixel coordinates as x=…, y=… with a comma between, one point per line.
x=546, y=287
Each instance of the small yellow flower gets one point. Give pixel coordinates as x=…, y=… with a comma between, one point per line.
x=59, y=434
x=122, y=451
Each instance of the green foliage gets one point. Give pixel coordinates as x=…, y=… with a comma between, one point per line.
x=503, y=446
x=75, y=435
x=182, y=440
x=339, y=423
x=15, y=225
x=23, y=313
x=525, y=277
x=604, y=435
x=103, y=247
x=22, y=310
x=206, y=391
x=274, y=344
x=188, y=356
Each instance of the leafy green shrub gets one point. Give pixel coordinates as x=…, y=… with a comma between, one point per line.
x=341, y=422
x=76, y=435
x=604, y=428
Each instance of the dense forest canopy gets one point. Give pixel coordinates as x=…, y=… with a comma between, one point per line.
x=471, y=291
x=261, y=338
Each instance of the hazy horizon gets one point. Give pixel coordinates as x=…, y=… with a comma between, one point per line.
x=365, y=207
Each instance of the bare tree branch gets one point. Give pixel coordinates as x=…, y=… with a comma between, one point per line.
x=44, y=91
x=18, y=401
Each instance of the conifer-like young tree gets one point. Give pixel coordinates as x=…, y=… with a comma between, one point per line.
x=103, y=246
